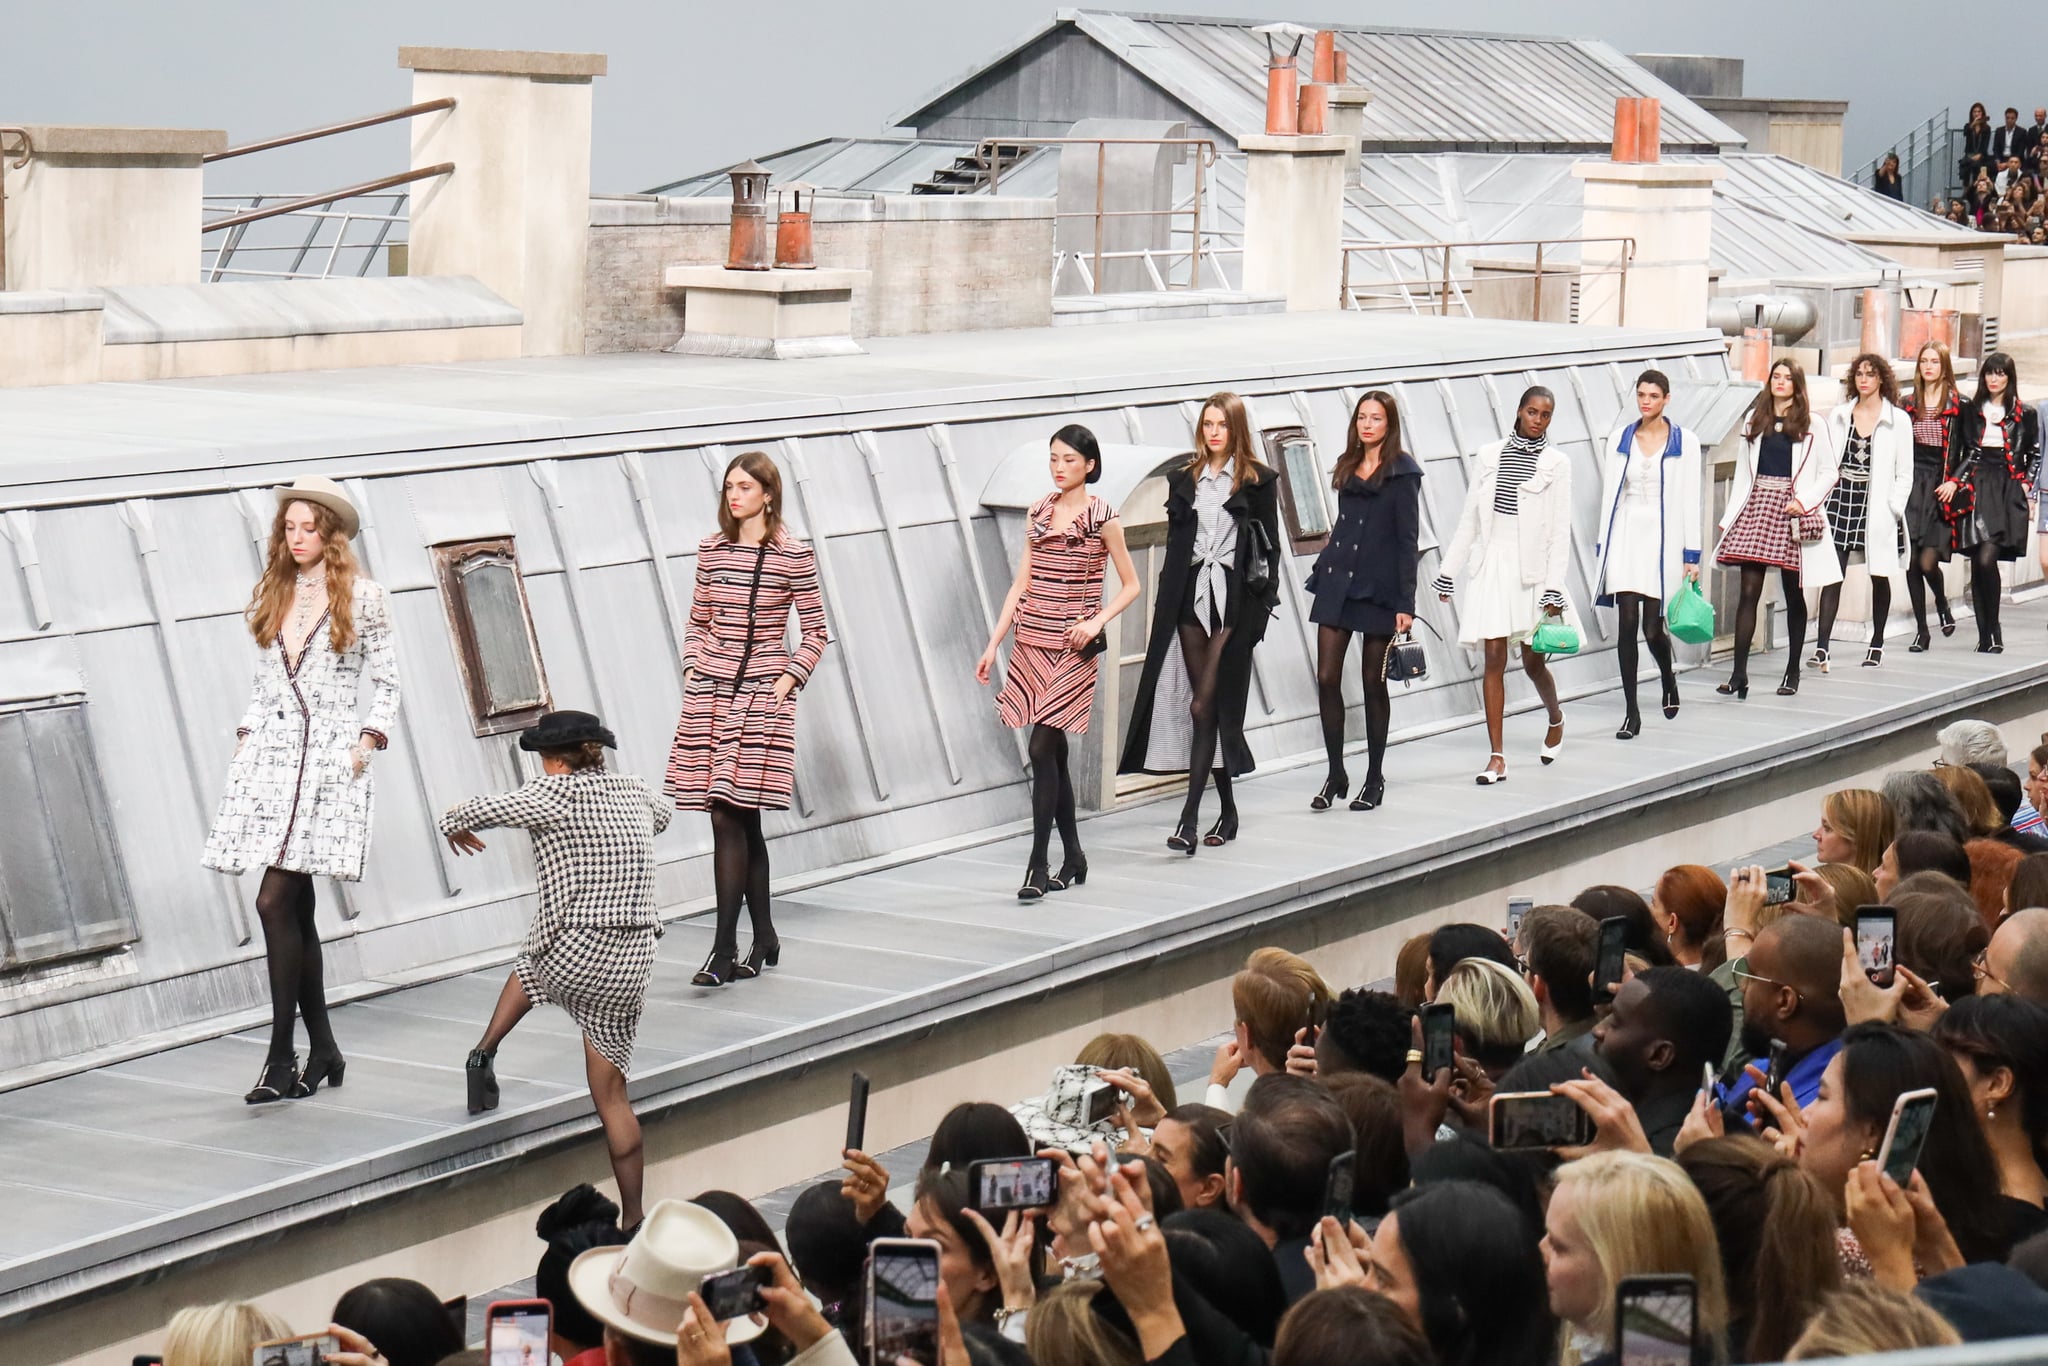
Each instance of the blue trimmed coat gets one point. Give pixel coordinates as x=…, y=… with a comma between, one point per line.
x=1678, y=532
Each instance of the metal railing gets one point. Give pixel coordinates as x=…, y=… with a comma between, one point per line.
x=1928, y=159
x=318, y=210
x=1442, y=287
x=21, y=151
x=987, y=155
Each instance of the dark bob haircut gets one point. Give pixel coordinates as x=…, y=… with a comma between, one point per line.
x=1083, y=442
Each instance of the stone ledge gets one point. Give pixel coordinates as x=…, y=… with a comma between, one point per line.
x=488, y=61
x=1650, y=172
x=825, y=281
x=765, y=348
x=1301, y=144
x=82, y=139
x=23, y=301
x=158, y=314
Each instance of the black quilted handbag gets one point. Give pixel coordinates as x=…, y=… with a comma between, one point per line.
x=1406, y=662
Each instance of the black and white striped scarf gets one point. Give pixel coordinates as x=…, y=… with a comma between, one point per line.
x=1517, y=464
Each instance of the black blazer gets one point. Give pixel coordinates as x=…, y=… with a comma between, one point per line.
x=2022, y=454
x=2009, y=142
x=1375, y=538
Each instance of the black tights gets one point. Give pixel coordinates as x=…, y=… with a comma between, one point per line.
x=1985, y=586
x=1923, y=573
x=739, y=869
x=1331, y=643
x=291, y=948
x=1745, y=616
x=1634, y=618
x=1880, y=608
x=1203, y=652
x=1052, y=795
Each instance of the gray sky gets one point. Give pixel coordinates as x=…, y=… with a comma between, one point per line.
x=695, y=86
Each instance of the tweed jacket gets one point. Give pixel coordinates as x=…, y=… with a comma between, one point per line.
x=593, y=847
x=739, y=613
x=293, y=800
x=1891, y=482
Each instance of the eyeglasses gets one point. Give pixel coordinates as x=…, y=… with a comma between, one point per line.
x=1769, y=982
x=1981, y=965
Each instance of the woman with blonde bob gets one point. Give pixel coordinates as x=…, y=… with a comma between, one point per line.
x=1275, y=995
x=1496, y=1012
x=1064, y=1329
x=1615, y=1215
x=1863, y=1317
x=225, y=1334
x=297, y=803
x=1856, y=827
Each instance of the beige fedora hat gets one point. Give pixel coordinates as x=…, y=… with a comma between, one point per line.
x=311, y=488
x=643, y=1289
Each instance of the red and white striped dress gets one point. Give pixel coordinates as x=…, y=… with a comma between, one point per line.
x=1048, y=684
x=734, y=742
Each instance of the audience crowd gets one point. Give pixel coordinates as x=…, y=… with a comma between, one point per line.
x=2000, y=175
x=1738, y=1081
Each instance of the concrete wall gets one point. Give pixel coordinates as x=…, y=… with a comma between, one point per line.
x=1692, y=75
x=2026, y=292
x=49, y=337
x=105, y=206
x=937, y=263
x=1807, y=131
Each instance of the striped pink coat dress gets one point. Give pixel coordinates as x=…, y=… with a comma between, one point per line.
x=1048, y=684
x=734, y=742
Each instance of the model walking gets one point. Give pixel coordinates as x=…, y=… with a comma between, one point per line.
x=1363, y=584
x=735, y=748
x=1055, y=602
x=1218, y=585
x=1936, y=409
x=1865, y=510
x=1774, y=517
x=297, y=803
x=590, y=948
x=1650, y=507
x=1516, y=526
x=1987, y=494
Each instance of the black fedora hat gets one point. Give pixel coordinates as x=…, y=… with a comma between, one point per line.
x=566, y=730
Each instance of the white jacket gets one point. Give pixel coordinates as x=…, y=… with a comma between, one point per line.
x=1543, y=519
x=1815, y=467
x=1678, y=495
x=1891, y=483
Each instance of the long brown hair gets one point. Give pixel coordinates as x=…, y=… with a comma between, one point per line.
x=1775, y=1226
x=1887, y=382
x=1926, y=407
x=757, y=464
x=272, y=598
x=1354, y=449
x=1237, y=443
x=1763, y=412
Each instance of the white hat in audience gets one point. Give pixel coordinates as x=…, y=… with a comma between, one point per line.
x=1059, y=1118
x=643, y=1289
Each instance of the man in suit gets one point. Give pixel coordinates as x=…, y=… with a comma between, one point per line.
x=2008, y=140
x=2036, y=135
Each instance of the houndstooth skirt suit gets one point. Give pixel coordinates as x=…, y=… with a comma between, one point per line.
x=293, y=800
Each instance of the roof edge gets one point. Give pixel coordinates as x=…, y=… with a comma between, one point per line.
x=936, y=93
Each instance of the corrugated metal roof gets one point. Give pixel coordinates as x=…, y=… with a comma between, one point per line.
x=1432, y=89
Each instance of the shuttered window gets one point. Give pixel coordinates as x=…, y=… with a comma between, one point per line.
x=62, y=892
x=494, y=641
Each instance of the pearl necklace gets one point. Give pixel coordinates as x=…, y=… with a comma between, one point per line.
x=307, y=581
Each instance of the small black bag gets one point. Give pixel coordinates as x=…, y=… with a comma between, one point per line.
x=1095, y=646
x=1260, y=572
x=1406, y=662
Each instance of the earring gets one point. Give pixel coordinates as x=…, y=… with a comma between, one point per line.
x=1991, y=1112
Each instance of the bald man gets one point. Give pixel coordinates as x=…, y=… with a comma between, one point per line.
x=2016, y=963
x=1790, y=992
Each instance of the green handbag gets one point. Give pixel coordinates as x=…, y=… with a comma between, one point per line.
x=1691, y=616
x=1554, y=635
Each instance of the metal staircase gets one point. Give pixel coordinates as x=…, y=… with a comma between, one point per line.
x=969, y=174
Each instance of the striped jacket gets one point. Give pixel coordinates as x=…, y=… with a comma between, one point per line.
x=739, y=613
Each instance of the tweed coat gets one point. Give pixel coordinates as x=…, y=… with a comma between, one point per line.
x=292, y=801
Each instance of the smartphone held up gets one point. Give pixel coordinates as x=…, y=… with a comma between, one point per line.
x=901, y=1307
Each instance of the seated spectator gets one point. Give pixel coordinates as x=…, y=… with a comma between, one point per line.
x=1411, y=970
x=1460, y=1263
x=827, y=1249
x=1992, y=864
x=2016, y=960
x=1856, y=825
x=580, y=1220
x=1922, y=851
x=1973, y=796
x=966, y=1265
x=1276, y=995
x=1066, y=1329
x=1688, y=903
x=2028, y=886
x=1920, y=802
x=1189, y=1144
x=1615, y=1215
x=2001, y=1045
x=1776, y=1227
x=2008, y=794
x=1790, y=991
x=1558, y=944
x=1665, y=1024
x=1347, y=1325
x=1496, y=1015
x=1964, y=744
x=1221, y=1260
x=1450, y=945
x=1380, y=1170
x=969, y=1132
x=974, y=1130
x=1057, y=1119
x=1863, y=1317
x=1281, y=1147
x=737, y=1213
x=1848, y=887
x=220, y=1334
x=1365, y=1031
x=2029, y=818
x=403, y=1318
x=1129, y=1053
x=1940, y=933
x=1645, y=936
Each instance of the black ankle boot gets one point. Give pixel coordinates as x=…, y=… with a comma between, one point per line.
x=483, y=1081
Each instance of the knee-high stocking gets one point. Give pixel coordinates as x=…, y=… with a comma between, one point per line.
x=1795, y=617
x=1203, y=652
x=1331, y=643
x=1629, y=608
x=1379, y=710
x=285, y=931
x=1048, y=751
x=1752, y=593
